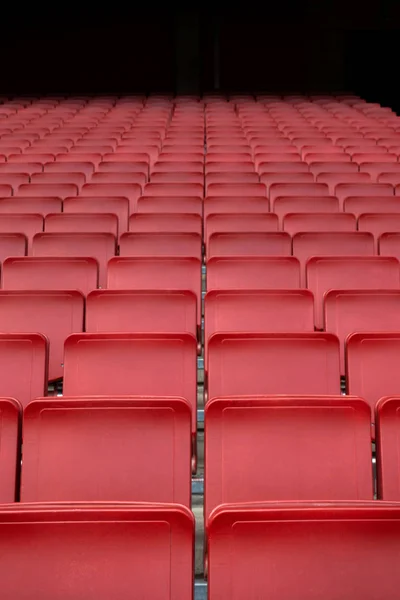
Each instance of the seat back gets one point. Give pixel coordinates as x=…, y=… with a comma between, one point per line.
x=161, y=244
x=252, y=273
x=298, y=223
x=81, y=223
x=10, y=440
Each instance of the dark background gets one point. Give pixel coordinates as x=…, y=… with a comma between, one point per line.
x=311, y=46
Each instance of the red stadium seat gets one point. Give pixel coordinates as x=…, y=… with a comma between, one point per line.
x=161, y=244
x=257, y=311
x=218, y=205
x=95, y=471
x=53, y=273
x=12, y=244
x=23, y=354
x=170, y=204
x=25, y=224
x=320, y=157
x=142, y=311
x=349, y=273
x=269, y=179
x=332, y=167
x=131, y=191
x=101, y=246
x=375, y=169
x=178, y=177
x=391, y=178
x=159, y=536
x=228, y=157
x=323, y=444
x=6, y=190
x=369, y=157
x=54, y=314
x=371, y=204
x=108, y=205
x=378, y=224
x=59, y=179
x=281, y=167
x=308, y=190
x=254, y=243
x=10, y=415
x=26, y=167
x=31, y=205
x=274, y=544
x=272, y=363
x=347, y=190
x=125, y=167
x=333, y=179
x=231, y=178
x=226, y=167
x=86, y=168
x=239, y=222
x=354, y=311
x=48, y=190
x=387, y=448
x=389, y=244
x=81, y=223
x=165, y=223
x=87, y=157
x=331, y=243
x=110, y=177
x=372, y=365
x=237, y=189
x=195, y=190
x=15, y=180
x=298, y=223
x=257, y=272
x=156, y=273
x=138, y=157
x=140, y=364
x=285, y=205
x=180, y=156
x=173, y=167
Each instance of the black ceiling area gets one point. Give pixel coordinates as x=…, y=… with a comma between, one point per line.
x=280, y=47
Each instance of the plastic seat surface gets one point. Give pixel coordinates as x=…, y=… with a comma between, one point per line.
x=269, y=179
x=372, y=204
x=254, y=243
x=252, y=273
x=389, y=244
x=88, y=157
x=43, y=190
x=142, y=536
x=239, y=222
x=81, y=223
x=237, y=189
x=308, y=190
x=118, y=178
x=25, y=353
x=26, y=224
x=251, y=546
x=144, y=435
x=10, y=417
x=26, y=167
x=387, y=448
x=161, y=244
x=101, y=246
x=319, y=222
x=304, y=204
x=331, y=243
x=332, y=167
x=12, y=244
x=346, y=190
x=217, y=205
x=372, y=365
x=152, y=311
x=164, y=223
x=333, y=179
x=71, y=177
x=110, y=205
x=273, y=363
x=348, y=273
x=54, y=314
x=131, y=191
x=177, y=177
x=170, y=204
x=50, y=273
x=140, y=364
x=32, y=205
x=322, y=443
x=351, y=311
x=281, y=167
x=15, y=180
x=56, y=167
x=156, y=273
x=140, y=167
x=195, y=190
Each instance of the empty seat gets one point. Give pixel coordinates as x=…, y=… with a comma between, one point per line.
x=252, y=273
x=178, y=177
x=81, y=223
x=369, y=157
x=298, y=223
x=387, y=448
x=347, y=190
x=10, y=415
x=230, y=178
x=86, y=168
x=26, y=224
x=272, y=363
x=195, y=190
x=332, y=167
x=170, y=204
x=164, y=223
x=162, y=311
x=375, y=169
x=161, y=244
x=371, y=204
x=333, y=179
x=12, y=244
x=156, y=273
x=235, y=223
x=392, y=178
x=237, y=189
x=153, y=534
x=221, y=204
x=53, y=273
x=131, y=191
x=111, y=205
x=140, y=364
x=274, y=544
x=45, y=190
x=372, y=365
x=34, y=205
x=269, y=179
x=349, y=272
x=101, y=246
x=378, y=224
x=354, y=311
x=15, y=180
x=321, y=449
x=281, y=167
x=389, y=244
x=254, y=243
x=23, y=367
x=257, y=311
x=302, y=204
x=75, y=178
x=154, y=431
x=119, y=177
x=331, y=243
x=307, y=190
x=140, y=167
x=164, y=166
x=55, y=314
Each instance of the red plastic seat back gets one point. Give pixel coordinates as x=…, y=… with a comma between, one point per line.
x=251, y=273
x=274, y=363
x=278, y=190
x=259, y=243
x=349, y=272
x=52, y=273
x=195, y=190
x=164, y=222
x=302, y=204
x=170, y=204
x=387, y=448
x=43, y=190
x=12, y=244
x=217, y=205
x=333, y=464
x=298, y=223
x=10, y=416
x=81, y=223
x=34, y=205
x=111, y=205
x=161, y=244
x=27, y=354
x=132, y=191
x=372, y=204
x=236, y=223
x=389, y=244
